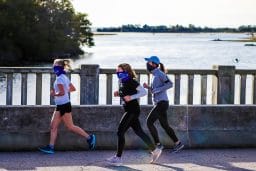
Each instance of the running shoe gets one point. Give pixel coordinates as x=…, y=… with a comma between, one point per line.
x=116, y=161
x=92, y=142
x=47, y=149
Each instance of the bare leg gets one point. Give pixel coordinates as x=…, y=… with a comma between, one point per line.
x=68, y=121
x=56, y=119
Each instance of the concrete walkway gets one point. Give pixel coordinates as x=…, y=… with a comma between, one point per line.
x=134, y=160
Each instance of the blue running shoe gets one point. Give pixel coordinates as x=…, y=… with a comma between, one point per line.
x=91, y=141
x=47, y=149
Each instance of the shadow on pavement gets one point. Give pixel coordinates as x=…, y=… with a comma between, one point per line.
x=134, y=160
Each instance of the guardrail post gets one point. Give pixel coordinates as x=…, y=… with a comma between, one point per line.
x=226, y=84
x=89, y=84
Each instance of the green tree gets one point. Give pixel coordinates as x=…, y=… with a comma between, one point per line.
x=38, y=30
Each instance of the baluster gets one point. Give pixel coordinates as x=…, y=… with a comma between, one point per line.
x=203, y=89
x=254, y=89
x=52, y=79
x=214, y=89
x=149, y=93
x=24, y=88
x=177, y=90
x=9, y=88
x=138, y=78
x=38, y=88
x=243, y=89
x=109, y=88
x=69, y=77
x=190, y=88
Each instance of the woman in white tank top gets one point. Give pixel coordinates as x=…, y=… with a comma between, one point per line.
x=62, y=86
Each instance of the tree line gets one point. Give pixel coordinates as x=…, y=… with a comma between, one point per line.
x=175, y=29
x=40, y=30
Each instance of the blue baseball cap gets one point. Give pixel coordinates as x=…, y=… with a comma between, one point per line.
x=153, y=59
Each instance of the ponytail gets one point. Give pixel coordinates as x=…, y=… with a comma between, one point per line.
x=162, y=68
x=65, y=63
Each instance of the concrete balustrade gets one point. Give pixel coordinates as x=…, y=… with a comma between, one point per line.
x=222, y=92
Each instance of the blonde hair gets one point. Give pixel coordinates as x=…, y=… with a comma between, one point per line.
x=127, y=67
x=65, y=63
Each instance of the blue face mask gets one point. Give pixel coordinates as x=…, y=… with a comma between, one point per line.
x=123, y=76
x=58, y=70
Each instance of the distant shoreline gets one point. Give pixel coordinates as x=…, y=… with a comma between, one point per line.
x=176, y=29
x=115, y=33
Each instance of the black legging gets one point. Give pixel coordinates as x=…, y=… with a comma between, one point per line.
x=131, y=119
x=160, y=112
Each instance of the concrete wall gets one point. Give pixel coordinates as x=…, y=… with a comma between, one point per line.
x=27, y=127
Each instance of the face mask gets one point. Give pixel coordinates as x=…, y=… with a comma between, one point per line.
x=58, y=70
x=150, y=67
x=123, y=76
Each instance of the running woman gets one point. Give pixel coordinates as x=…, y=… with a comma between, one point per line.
x=160, y=84
x=62, y=86
x=129, y=92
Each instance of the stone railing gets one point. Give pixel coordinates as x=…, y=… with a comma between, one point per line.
x=225, y=84
x=25, y=128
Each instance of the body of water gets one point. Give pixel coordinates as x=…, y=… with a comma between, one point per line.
x=175, y=50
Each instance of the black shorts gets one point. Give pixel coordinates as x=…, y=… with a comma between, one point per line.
x=65, y=108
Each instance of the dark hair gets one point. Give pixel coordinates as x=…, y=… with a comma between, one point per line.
x=162, y=68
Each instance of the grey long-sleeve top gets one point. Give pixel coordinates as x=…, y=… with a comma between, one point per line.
x=159, y=86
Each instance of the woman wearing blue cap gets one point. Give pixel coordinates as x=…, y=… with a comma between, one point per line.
x=160, y=84
x=129, y=92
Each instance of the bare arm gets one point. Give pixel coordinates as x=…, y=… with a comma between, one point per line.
x=72, y=88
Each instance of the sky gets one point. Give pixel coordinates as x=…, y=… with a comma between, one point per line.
x=211, y=13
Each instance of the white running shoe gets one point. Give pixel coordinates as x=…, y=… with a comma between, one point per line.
x=160, y=146
x=156, y=154
x=117, y=161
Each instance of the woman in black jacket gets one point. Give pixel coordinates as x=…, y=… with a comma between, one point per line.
x=129, y=92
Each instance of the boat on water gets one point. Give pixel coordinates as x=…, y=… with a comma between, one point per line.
x=217, y=39
x=250, y=44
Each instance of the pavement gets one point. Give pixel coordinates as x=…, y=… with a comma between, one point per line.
x=133, y=160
